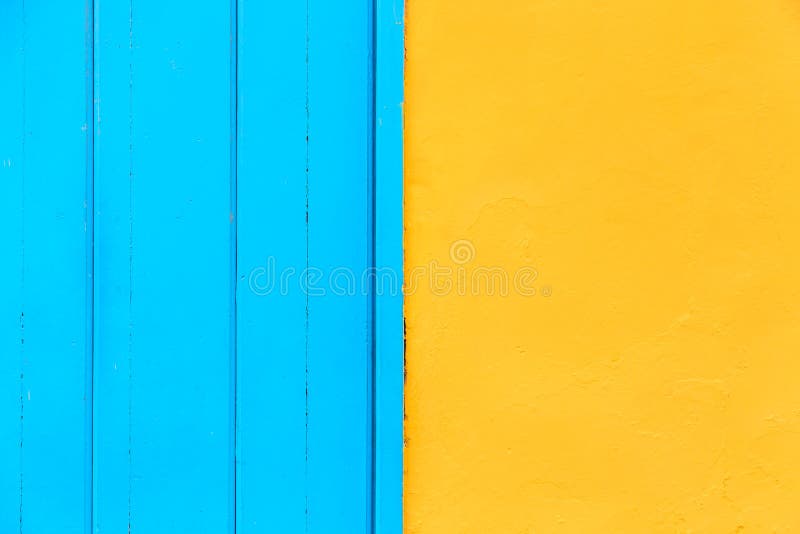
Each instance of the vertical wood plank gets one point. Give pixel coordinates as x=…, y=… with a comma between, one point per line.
x=272, y=203
x=340, y=236
x=304, y=350
x=114, y=262
x=389, y=326
x=164, y=309
x=11, y=309
x=45, y=274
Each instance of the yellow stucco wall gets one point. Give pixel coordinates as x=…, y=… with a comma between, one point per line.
x=644, y=157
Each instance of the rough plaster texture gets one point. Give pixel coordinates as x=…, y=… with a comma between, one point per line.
x=644, y=157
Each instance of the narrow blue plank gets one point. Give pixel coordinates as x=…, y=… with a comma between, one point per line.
x=340, y=236
x=272, y=149
x=45, y=318
x=11, y=349
x=389, y=328
x=163, y=310
x=113, y=264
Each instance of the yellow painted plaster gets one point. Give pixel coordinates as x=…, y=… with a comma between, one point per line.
x=644, y=158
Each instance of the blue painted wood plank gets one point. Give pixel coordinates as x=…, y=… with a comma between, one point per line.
x=389, y=327
x=272, y=150
x=11, y=308
x=168, y=311
x=113, y=264
x=340, y=236
x=46, y=317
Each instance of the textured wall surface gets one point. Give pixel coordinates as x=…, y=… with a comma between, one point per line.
x=643, y=157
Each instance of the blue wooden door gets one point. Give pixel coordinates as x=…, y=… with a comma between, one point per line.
x=190, y=328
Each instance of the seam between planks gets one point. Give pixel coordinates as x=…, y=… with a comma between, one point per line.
x=234, y=274
x=308, y=251
x=89, y=17
x=372, y=202
x=22, y=284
